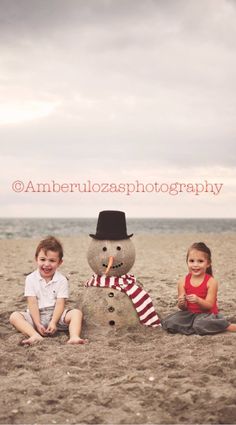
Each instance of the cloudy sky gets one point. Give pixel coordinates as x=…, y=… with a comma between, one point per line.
x=117, y=92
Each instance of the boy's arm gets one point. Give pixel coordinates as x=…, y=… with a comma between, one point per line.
x=58, y=310
x=181, y=295
x=34, y=312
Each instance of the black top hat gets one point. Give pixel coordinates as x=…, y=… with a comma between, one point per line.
x=111, y=225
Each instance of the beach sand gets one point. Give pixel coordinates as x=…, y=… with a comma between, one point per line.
x=122, y=376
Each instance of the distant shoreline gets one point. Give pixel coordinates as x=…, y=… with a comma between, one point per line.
x=16, y=228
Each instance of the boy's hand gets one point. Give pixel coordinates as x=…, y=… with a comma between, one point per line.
x=51, y=329
x=41, y=329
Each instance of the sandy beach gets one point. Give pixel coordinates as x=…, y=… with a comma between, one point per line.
x=122, y=376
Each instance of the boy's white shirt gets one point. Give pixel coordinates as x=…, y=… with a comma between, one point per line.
x=46, y=292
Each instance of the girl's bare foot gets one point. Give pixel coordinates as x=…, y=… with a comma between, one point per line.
x=77, y=340
x=32, y=340
x=231, y=327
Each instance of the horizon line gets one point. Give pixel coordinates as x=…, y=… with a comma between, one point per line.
x=128, y=218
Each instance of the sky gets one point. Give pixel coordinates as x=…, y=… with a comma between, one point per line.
x=113, y=104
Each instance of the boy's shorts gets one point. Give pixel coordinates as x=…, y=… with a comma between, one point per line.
x=46, y=316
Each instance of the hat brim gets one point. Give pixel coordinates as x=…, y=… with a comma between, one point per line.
x=110, y=238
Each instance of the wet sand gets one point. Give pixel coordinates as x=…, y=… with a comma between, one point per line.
x=123, y=376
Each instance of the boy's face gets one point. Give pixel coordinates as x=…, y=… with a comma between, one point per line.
x=47, y=263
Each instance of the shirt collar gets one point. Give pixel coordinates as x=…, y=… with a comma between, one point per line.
x=54, y=279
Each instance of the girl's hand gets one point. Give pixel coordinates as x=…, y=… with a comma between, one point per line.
x=41, y=329
x=181, y=300
x=192, y=298
x=182, y=297
x=51, y=329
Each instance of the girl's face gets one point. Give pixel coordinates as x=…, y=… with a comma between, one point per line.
x=197, y=262
x=47, y=263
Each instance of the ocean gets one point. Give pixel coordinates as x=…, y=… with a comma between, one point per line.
x=16, y=228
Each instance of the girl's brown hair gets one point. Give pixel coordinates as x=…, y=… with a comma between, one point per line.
x=201, y=246
x=49, y=244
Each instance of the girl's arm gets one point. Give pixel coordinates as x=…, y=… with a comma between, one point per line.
x=34, y=312
x=181, y=295
x=207, y=303
x=58, y=310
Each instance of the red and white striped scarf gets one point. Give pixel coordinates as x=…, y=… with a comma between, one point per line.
x=140, y=298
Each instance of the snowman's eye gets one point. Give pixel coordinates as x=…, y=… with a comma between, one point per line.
x=118, y=248
x=104, y=248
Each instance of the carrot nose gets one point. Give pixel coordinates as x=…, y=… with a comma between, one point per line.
x=110, y=262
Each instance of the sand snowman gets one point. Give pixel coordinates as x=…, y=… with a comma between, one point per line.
x=112, y=298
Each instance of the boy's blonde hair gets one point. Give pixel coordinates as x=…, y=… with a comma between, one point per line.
x=50, y=244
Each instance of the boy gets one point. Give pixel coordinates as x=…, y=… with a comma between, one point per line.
x=46, y=290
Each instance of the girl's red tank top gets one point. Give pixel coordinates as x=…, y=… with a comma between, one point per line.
x=200, y=291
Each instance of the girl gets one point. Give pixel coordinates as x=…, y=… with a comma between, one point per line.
x=197, y=298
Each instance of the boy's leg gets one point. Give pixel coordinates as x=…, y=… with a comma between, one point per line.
x=73, y=318
x=20, y=323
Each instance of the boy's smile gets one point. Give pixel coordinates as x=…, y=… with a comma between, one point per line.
x=48, y=262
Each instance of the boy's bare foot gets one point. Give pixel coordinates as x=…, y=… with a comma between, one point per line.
x=32, y=340
x=77, y=340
